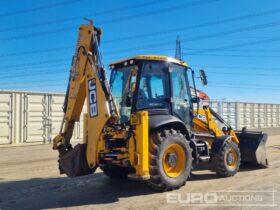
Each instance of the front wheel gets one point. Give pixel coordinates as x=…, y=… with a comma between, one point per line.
x=170, y=160
x=227, y=161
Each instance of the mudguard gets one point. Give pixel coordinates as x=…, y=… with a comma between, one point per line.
x=218, y=144
x=157, y=121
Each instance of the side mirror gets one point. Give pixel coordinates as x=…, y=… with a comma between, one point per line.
x=195, y=99
x=203, y=77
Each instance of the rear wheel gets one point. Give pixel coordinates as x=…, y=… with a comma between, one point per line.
x=227, y=161
x=170, y=160
x=116, y=172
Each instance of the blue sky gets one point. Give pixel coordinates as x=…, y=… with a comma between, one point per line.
x=236, y=42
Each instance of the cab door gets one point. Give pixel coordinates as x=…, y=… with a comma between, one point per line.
x=181, y=97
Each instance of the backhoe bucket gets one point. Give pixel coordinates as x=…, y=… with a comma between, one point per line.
x=73, y=162
x=252, y=147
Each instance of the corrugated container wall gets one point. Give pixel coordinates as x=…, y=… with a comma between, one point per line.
x=30, y=117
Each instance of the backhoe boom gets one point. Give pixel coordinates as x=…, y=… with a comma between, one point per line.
x=87, y=80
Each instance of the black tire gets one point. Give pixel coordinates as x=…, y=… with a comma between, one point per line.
x=221, y=164
x=115, y=172
x=160, y=141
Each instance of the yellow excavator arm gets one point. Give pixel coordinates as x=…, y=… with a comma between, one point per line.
x=87, y=80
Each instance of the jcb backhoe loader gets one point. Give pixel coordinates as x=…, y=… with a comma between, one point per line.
x=140, y=124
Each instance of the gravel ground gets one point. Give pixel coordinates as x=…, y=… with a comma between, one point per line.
x=29, y=179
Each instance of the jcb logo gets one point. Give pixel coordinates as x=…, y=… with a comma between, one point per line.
x=201, y=117
x=92, y=96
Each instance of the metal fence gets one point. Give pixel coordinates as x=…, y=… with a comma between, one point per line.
x=33, y=117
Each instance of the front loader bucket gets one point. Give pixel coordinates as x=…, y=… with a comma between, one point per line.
x=252, y=147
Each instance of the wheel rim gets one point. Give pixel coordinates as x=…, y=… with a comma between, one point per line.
x=174, y=160
x=232, y=159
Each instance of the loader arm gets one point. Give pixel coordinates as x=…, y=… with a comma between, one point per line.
x=207, y=122
x=87, y=80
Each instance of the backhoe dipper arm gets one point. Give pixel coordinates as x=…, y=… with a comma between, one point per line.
x=87, y=80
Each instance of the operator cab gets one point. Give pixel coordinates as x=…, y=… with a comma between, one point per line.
x=157, y=84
